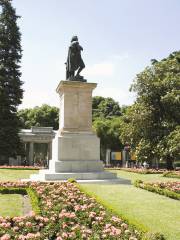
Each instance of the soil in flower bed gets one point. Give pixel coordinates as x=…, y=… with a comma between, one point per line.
x=66, y=213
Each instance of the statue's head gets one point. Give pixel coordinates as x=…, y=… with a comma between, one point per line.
x=74, y=38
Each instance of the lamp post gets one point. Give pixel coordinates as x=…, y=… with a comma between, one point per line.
x=127, y=149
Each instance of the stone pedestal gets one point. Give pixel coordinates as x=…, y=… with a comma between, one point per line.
x=76, y=148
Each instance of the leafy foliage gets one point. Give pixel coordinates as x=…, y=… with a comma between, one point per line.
x=152, y=123
x=106, y=122
x=11, y=92
x=172, y=174
x=108, y=130
x=44, y=116
x=105, y=108
x=171, y=191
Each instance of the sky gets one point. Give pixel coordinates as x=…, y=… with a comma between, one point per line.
x=119, y=38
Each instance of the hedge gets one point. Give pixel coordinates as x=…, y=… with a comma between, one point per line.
x=151, y=188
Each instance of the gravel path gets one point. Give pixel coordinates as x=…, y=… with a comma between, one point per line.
x=27, y=208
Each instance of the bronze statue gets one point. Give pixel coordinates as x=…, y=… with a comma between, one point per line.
x=74, y=61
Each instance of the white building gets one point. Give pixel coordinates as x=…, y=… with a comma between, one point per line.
x=38, y=147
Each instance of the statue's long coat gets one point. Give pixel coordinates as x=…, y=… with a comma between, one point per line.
x=74, y=60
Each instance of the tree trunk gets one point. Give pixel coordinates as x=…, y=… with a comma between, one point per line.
x=169, y=163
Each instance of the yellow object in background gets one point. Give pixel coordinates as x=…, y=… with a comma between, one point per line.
x=116, y=156
x=133, y=157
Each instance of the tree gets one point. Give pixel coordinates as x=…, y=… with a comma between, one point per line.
x=11, y=92
x=44, y=116
x=108, y=130
x=106, y=122
x=105, y=108
x=154, y=117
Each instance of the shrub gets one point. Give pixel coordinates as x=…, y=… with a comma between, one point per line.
x=72, y=180
x=143, y=170
x=153, y=236
x=172, y=174
x=169, y=189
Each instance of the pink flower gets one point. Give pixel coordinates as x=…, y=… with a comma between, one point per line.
x=124, y=225
x=5, y=237
x=64, y=235
x=21, y=237
x=92, y=214
x=15, y=229
x=116, y=219
x=28, y=224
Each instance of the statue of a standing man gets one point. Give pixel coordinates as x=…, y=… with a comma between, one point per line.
x=74, y=61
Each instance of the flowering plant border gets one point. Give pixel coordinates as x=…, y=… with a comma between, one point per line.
x=172, y=174
x=160, y=188
x=66, y=213
x=20, y=167
x=144, y=170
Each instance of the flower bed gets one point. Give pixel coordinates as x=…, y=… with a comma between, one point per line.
x=21, y=167
x=142, y=170
x=172, y=174
x=65, y=213
x=169, y=189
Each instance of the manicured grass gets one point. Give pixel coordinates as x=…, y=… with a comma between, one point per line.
x=13, y=174
x=11, y=205
x=148, y=210
x=143, y=177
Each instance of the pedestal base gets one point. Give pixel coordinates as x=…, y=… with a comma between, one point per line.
x=46, y=175
x=75, y=155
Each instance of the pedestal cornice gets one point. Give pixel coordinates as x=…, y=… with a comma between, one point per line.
x=75, y=84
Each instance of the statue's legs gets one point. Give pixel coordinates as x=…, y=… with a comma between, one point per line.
x=79, y=70
x=71, y=75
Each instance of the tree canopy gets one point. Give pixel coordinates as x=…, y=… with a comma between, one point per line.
x=11, y=92
x=105, y=107
x=152, y=122
x=43, y=116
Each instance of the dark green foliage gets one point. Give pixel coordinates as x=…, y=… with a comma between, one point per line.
x=105, y=108
x=108, y=130
x=44, y=116
x=106, y=122
x=10, y=83
x=21, y=191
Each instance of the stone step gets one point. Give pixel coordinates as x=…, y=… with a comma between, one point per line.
x=53, y=176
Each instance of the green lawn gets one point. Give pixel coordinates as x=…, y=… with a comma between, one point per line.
x=11, y=205
x=13, y=174
x=151, y=211
x=143, y=177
